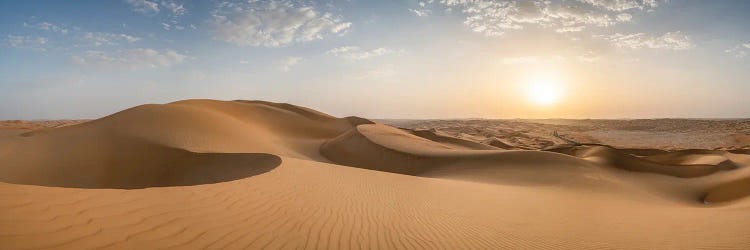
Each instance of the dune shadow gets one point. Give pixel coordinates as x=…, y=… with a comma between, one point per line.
x=165, y=167
x=208, y=168
x=728, y=191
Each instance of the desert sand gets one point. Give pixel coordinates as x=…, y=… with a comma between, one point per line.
x=664, y=134
x=211, y=174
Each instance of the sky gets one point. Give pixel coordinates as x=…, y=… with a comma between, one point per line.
x=380, y=59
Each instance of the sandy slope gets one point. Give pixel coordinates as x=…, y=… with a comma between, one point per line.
x=248, y=174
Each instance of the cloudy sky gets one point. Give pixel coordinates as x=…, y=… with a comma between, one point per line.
x=379, y=59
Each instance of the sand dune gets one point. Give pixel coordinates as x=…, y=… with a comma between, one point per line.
x=605, y=155
x=384, y=148
x=696, y=157
x=450, y=141
x=253, y=174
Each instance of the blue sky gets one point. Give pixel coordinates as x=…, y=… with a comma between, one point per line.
x=379, y=59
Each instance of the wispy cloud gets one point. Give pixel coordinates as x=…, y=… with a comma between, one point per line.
x=27, y=42
x=47, y=26
x=68, y=39
x=570, y=29
x=624, y=17
x=495, y=18
x=739, y=51
x=143, y=6
x=174, y=8
x=670, y=41
x=273, y=23
x=420, y=12
x=134, y=59
x=623, y=5
x=153, y=7
x=357, y=53
x=103, y=38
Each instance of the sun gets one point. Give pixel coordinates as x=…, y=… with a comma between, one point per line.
x=544, y=89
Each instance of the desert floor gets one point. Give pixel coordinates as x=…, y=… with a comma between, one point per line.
x=252, y=174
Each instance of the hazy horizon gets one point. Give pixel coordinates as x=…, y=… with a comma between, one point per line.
x=442, y=59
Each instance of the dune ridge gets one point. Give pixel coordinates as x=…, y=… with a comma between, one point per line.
x=255, y=174
x=610, y=156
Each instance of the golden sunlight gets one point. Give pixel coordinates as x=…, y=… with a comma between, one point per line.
x=544, y=89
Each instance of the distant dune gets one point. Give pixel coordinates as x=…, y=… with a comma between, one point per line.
x=649, y=134
x=251, y=174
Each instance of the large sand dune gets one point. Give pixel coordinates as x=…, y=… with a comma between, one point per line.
x=251, y=174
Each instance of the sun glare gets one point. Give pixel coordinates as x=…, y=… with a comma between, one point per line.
x=544, y=90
